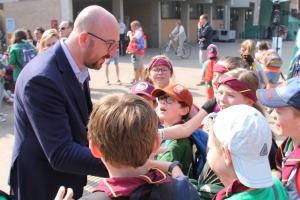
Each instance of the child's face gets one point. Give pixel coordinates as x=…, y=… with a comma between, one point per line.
x=169, y=109
x=160, y=75
x=226, y=96
x=215, y=157
x=286, y=123
x=215, y=81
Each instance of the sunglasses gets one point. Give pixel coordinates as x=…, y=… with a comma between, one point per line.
x=112, y=44
x=63, y=28
x=168, y=99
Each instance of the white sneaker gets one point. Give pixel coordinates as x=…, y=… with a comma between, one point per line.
x=2, y=119
x=133, y=81
x=3, y=115
x=119, y=82
x=107, y=83
x=179, y=55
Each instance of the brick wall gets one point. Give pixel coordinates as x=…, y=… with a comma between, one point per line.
x=34, y=13
x=193, y=30
x=167, y=26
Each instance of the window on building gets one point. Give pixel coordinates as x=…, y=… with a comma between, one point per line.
x=218, y=12
x=248, y=14
x=170, y=10
x=196, y=10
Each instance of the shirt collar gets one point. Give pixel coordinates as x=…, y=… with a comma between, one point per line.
x=81, y=74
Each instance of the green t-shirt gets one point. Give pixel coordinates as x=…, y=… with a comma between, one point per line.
x=263, y=193
x=180, y=150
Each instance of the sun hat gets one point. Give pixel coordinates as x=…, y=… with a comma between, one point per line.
x=245, y=132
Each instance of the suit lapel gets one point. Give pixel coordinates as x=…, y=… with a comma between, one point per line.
x=70, y=78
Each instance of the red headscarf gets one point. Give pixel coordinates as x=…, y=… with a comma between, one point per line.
x=159, y=61
x=221, y=68
x=238, y=86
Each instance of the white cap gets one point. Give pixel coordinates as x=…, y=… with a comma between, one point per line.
x=247, y=135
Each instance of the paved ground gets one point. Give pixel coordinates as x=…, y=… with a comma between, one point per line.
x=187, y=72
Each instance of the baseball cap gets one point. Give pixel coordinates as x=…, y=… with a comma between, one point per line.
x=286, y=94
x=143, y=87
x=177, y=92
x=212, y=51
x=247, y=135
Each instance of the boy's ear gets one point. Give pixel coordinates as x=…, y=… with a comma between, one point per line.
x=250, y=102
x=94, y=149
x=184, y=111
x=157, y=142
x=227, y=156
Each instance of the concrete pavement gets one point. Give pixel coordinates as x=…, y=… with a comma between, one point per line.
x=187, y=72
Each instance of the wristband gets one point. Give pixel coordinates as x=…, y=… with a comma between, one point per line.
x=162, y=133
x=174, y=164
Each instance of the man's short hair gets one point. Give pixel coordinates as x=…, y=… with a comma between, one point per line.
x=136, y=23
x=70, y=24
x=204, y=16
x=123, y=127
x=40, y=29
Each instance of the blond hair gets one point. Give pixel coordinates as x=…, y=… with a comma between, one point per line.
x=123, y=127
x=249, y=46
x=46, y=36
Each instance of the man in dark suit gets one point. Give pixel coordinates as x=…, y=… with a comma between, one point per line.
x=52, y=108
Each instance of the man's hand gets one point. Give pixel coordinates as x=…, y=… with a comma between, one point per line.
x=199, y=25
x=61, y=192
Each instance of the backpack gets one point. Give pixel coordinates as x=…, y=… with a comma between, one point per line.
x=162, y=191
x=27, y=53
x=142, y=43
x=209, y=73
x=296, y=67
x=199, y=140
x=272, y=59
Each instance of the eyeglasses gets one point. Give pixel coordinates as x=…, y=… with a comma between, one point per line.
x=168, y=99
x=63, y=28
x=112, y=44
x=163, y=71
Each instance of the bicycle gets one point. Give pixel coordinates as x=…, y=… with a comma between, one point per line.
x=168, y=49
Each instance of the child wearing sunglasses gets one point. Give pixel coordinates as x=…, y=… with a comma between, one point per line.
x=174, y=104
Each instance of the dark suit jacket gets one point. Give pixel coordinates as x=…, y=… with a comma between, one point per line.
x=205, y=32
x=51, y=114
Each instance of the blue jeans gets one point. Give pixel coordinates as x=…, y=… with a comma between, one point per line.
x=273, y=77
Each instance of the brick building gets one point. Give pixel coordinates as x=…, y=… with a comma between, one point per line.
x=157, y=17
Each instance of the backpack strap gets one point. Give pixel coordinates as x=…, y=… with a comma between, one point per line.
x=162, y=191
x=275, y=191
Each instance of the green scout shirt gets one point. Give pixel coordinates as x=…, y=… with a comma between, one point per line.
x=180, y=150
x=262, y=193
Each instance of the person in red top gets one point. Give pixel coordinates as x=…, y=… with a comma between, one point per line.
x=136, y=54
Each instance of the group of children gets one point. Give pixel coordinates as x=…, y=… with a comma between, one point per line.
x=6, y=83
x=242, y=156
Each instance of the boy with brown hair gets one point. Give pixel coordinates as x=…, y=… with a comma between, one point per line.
x=174, y=105
x=285, y=99
x=122, y=131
